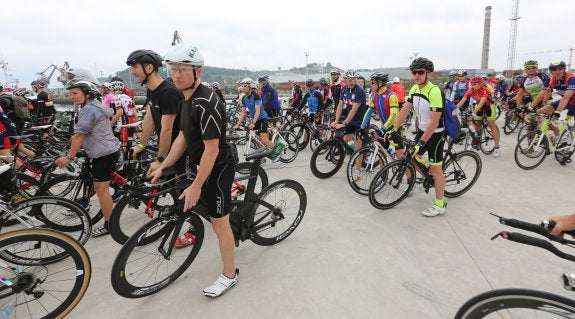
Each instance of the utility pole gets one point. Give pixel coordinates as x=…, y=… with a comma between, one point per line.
x=486, y=32
x=306, y=65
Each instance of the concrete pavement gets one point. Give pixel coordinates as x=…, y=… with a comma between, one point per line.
x=350, y=260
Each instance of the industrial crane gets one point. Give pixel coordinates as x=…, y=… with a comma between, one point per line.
x=61, y=78
x=176, y=38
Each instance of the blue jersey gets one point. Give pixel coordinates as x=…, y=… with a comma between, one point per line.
x=350, y=96
x=314, y=100
x=250, y=101
x=270, y=97
x=459, y=89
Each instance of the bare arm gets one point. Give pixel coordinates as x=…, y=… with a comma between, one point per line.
x=166, y=134
x=402, y=115
x=147, y=127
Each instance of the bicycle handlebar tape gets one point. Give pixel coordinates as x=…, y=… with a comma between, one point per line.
x=550, y=224
x=532, y=241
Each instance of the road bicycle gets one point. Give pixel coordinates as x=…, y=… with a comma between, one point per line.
x=524, y=303
x=533, y=148
x=391, y=185
x=148, y=261
x=43, y=274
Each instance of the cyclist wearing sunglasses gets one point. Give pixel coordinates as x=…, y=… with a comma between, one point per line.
x=426, y=99
x=203, y=135
x=564, y=84
x=351, y=107
x=163, y=106
x=531, y=86
x=460, y=87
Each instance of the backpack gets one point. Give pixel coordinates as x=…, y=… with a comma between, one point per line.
x=452, y=119
x=21, y=107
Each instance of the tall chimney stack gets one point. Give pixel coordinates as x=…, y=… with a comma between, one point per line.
x=486, y=30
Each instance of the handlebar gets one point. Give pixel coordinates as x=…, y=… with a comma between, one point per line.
x=539, y=229
x=537, y=242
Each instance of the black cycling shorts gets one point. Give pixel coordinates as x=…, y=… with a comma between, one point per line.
x=216, y=191
x=261, y=125
x=104, y=166
x=434, y=146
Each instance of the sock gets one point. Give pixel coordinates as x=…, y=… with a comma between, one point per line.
x=440, y=203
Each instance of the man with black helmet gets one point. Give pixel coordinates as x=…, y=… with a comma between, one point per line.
x=42, y=104
x=426, y=99
x=164, y=103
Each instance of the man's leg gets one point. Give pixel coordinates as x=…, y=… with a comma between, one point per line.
x=225, y=236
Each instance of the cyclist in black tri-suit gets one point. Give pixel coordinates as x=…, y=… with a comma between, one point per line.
x=203, y=134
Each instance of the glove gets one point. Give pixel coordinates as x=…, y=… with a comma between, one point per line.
x=391, y=132
x=420, y=148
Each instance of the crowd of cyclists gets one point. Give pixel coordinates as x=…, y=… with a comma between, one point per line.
x=185, y=119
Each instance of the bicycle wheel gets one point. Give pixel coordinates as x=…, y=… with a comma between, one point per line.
x=486, y=141
x=564, y=147
x=498, y=110
x=243, y=171
x=147, y=264
x=320, y=135
x=531, y=150
x=290, y=152
x=516, y=303
x=327, y=158
x=461, y=173
x=270, y=225
x=131, y=212
x=27, y=185
x=42, y=290
x=391, y=185
x=370, y=162
x=73, y=188
x=302, y=135
x=51, y=212
x=511, y=122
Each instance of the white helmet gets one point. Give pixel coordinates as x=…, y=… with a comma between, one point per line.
x=105, y=85
x=395, y=80
x=78, y=73
x=253, y=85
x=184, y=53
x=350, y=73
x=116, y=86
x=500, y=77
x=246, y=81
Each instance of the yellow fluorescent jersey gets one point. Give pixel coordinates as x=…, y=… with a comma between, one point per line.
x=426, y=100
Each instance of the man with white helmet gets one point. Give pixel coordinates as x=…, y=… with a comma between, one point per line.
x=203, y=134
x=107, y=95
x=399, y=89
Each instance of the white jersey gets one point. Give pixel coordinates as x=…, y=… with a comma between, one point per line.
x=125, y=102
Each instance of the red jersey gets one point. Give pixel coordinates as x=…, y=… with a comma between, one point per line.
x=478, y=94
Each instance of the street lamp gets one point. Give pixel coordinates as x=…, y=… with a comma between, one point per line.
x=306, y=65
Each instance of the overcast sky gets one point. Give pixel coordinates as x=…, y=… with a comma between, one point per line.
x=269, y=34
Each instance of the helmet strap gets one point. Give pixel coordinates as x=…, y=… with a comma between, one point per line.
x=191, y=87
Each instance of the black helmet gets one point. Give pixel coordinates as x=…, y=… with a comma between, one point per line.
x=421, y=63
x=86, y=86
x=309, y=83
x=144, y=56
x=380, y=77
x=557, y=65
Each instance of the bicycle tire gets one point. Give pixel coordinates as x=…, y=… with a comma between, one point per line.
x=527, y=150
x=77, y=276
x=68, y=189
x=129, y=213
x=511, y=122
x=564, y=141
x=290, y=152
x=486, y=141
x=121, y=275
x=516, y=301
x=278, y=194
x=72, y=219
x=455, y=171
x=301, y=133
x=244, y=169
x=334, y=154
x=319, y=136
x=393, y=172
x=369, y=168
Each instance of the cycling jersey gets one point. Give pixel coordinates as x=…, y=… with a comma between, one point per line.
x=250, y=101
x=350, y=96
x=448, y=89
x=426, y=100
x=314, y=100
x=270, y=99
x=502, y=89
x=482, y=92
x=335, y=91
x=459, y=89
x=108, y=99
x=386, y=104
x=534, y=85
x=567, y=82
x=7, y=128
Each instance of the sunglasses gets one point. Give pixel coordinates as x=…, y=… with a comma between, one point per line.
x=555, y=69
x=418, y=72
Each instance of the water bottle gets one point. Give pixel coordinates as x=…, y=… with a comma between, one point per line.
x=351, y=144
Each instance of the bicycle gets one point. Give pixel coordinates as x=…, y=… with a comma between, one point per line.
x=34, y=283
x=329, y=156
x=148, y=262
x=253, y=142
x=395, y=181
x=523, y=303
x=533, y=148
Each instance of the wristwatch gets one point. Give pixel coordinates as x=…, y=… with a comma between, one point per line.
x=70, y=158
x=160, y=159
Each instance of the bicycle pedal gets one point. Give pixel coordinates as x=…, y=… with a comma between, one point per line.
x=569, y=281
